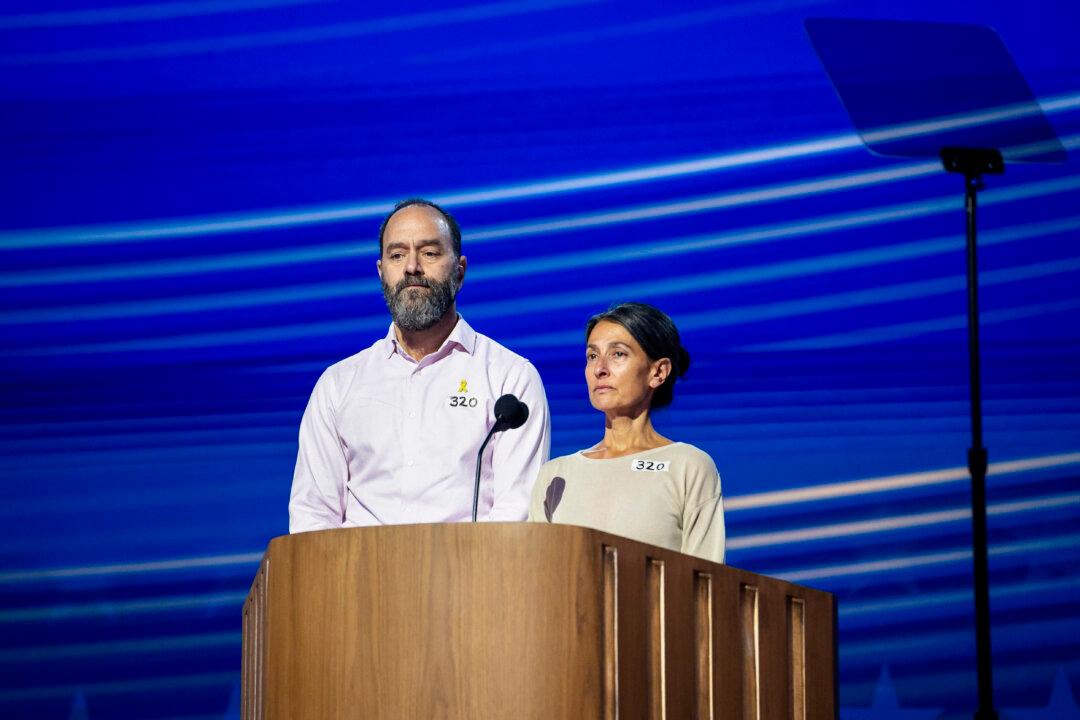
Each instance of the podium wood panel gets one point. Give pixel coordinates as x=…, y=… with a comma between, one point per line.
x=524, y=620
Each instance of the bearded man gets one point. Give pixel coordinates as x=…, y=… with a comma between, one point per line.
x=390, y=435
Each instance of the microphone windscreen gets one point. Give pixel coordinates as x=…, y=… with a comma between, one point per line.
x=520, y=416
x=510, y=411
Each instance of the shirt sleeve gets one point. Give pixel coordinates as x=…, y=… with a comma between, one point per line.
x=704, y=535
x=317, y=500
x=519, y=453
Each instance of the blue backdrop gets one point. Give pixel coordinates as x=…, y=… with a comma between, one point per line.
x=191, y=195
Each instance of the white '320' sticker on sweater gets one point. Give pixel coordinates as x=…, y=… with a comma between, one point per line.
x=650, y=465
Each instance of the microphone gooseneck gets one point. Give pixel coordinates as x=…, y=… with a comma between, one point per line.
x=510, y=413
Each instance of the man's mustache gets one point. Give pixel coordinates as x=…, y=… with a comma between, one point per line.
x=411, y=282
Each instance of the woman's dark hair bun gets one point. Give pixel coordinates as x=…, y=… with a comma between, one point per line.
x=683, y=363
x=657, y=335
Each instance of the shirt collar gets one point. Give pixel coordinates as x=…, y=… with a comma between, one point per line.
x=463, y=336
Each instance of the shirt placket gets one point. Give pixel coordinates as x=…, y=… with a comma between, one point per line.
x=410, y=444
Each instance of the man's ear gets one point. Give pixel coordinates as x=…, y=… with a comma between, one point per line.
x=378, y=267
x=462, y=264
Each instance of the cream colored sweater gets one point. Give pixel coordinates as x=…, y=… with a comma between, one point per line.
x=668, y=496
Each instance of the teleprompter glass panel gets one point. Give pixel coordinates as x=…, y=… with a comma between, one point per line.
x=912, y=88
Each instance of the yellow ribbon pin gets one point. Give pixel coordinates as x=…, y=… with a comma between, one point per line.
x=464, y=387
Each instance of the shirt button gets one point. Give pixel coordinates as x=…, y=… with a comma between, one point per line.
x=412, y=414
x=409, y=463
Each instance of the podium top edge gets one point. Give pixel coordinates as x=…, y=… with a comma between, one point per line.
x=543, y=535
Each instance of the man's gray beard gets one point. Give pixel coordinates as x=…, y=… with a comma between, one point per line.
x=426, y=309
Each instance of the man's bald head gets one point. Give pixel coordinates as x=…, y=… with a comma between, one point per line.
x=451, y=223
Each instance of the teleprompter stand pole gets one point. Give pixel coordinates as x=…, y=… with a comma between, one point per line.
x=973, y=163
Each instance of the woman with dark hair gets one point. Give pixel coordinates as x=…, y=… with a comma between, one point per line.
x=635, y=482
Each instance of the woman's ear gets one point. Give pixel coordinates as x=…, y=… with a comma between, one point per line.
x=660, y=371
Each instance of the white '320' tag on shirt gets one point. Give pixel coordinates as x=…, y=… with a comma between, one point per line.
x=650, y=465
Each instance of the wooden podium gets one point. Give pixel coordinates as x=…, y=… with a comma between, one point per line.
x=526, y=620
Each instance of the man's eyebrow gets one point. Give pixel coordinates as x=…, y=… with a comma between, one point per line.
x=421, y=243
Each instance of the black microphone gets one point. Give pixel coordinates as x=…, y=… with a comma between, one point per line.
x=510, y=413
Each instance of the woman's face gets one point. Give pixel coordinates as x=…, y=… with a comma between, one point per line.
x=620, y=376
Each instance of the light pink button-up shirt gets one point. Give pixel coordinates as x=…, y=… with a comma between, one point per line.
x=389, y=440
